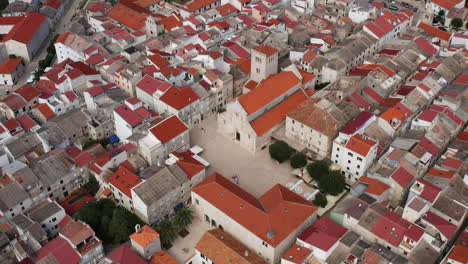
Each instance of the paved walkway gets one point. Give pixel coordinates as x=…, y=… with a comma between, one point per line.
x=257, y=172
x=183, y=248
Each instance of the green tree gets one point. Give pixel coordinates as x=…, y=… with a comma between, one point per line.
x=320, y=200
x=280, y=151
x=317, y=170
x=456, y=23
x=298, y=160
x=441, y=17
x=119, y=227
x=332, y=184
x=92, y=186
x=167, y=231
x=183, y=217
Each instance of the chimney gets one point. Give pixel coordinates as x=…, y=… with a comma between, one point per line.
x=246, y=253
x=137, y=229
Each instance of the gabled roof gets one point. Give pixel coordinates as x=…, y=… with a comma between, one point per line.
x=360, y=144
x=133, y=118
x=267, y=91
x=221, y=247
x=425, y=46
x=60, y=250
x=127, y=17
x=430, y=191
x=392, y=228
x=323, y=234
x=24, y=30
x=145, y=236
x=124, y=180
x=443, y=35
x=45, y=110
x=188, y=164
x=374, y=186
x=445, y=227
x=26, y=122
x=179, y=97
x=277, y=114
x=272, y=218
x=28, y=92
x=9, y=66
x=402, y=177
x=446, y=4
x=355, y=124
x=124, y=255
x=267, y=50
x=168, y=129
x=459, y=254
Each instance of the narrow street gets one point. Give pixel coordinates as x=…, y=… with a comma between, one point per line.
x=61, y=27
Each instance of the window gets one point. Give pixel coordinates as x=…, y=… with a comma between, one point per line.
x=257, y=59
x=358, y=158
x=350, y=154
x=196, y=201
x=264, y=244
x=257, y=70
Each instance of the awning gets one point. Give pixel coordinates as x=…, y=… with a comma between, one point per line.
x=114, y=139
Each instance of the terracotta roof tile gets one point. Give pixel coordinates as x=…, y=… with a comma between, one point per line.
x=9, y=66
x=323, y=234
x=127, y=17
x=124, y=180
x=168, y=129
x=277, y=114
x=267, y=91
x=267, y=50
x=443, y=35
x=145, y=236
x=272, y=218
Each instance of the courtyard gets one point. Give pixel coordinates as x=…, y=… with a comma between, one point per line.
x=257, y=173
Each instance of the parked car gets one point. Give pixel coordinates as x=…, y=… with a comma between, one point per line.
x=371, y=1
x=393, y=7
x=415, y=9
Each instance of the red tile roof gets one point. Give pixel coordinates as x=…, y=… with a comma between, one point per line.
x=267, y=50
x=26, y=122
x=197, y=4
x=441, y=173
x=360, y=144
x=444, y=226
x=277, y=114
x=267, y=91
x=430, y=191
x=60, y=250
x=323, y=234
x=179, y=97
x=374, y=186
x=443, y=35
x=45, y=110
x=127, y=17
x=402, y=177
x=392, y=228
x=446, y=4
x=188, y=164
x=28, y=92
x=424, y=45
x=297, y=254
x=272, y=218
x=145, y=236
x=168, y=129
x=459, y=254
x=124, y=180
x=158, y=60
x=9, y=66
x=24, y=30
x=130, y=116
x=14, y=101
x=356, y=123
x=462, y=79
x=124, y=255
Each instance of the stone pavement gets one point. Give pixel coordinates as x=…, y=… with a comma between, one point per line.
x=257, y=172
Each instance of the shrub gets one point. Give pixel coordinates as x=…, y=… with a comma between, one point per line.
x=298, y=160
x=320, y=200
x=280, y=151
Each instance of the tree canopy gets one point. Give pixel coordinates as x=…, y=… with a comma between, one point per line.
x=167, y=231
x=298, y=160
x=280, y=151
x=112, y=224
x=320, y=200
x=183, y=217
x=333, y=183
x=317, y=170
x=456, y=23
